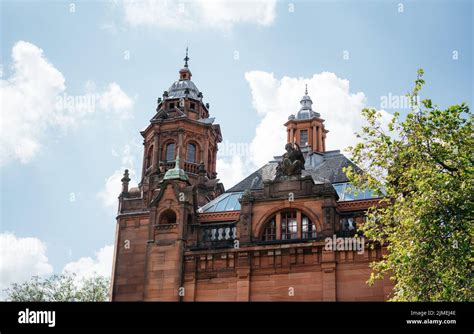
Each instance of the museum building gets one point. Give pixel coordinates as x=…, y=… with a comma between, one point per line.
x=180, y=236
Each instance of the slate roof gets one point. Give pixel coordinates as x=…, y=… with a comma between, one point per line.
x=327, y=169
x=330, y=169
x=178, y=88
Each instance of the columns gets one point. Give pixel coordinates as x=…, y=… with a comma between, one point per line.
x=315, y=139
x=205, y=157
x=299, y=224
x=180, y=145
x=214, y=156
x=278, y=226
x=145, y=150
x=320, y=138
x=156, y=149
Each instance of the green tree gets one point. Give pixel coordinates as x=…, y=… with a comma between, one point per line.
x=60, y=288
x=423, y=166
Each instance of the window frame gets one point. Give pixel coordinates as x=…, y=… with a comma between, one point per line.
x=306, y=136
x=310, y=232
x=289, y=220
x=166, y=151
x=194, y=158
x=270, y=230
x=288, y=225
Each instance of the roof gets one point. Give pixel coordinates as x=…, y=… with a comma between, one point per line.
x=229, y=201
x=178, y=90
x=347, y=193
x=224, y=202
x=328, y=168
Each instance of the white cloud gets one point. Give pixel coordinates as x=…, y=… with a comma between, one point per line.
x=21, y=258
x=27, y=100
x=113, y=187
x=34, y=103
x=116, y=100
x=113, y=184
x=224, y=14
x=275, y=99
x=87, y=267
x=230, y=171
x=185, y=15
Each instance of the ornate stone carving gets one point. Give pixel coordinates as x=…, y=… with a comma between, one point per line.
x=292, y=162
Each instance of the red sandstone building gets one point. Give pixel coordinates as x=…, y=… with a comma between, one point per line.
x=181, y=237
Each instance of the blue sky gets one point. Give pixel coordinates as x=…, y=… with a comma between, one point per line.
x=54, y=195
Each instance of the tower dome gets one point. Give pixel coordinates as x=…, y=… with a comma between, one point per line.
x=184, y=87
x=306, y=110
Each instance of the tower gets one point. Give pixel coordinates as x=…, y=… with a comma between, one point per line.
x=307, y=128
x=182, y=124
x=155, y=220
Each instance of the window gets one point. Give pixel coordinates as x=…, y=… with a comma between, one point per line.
x=289, y=225
x=171, y=105
x=348, y=223
x=169, y=154
x=193, y=105
x=168, y=217
x=269, y=233
x=191, y=153
x=303, y=137
x=308, y=228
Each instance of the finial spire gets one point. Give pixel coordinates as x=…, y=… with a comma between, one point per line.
x=306, y=89
x=186, y=58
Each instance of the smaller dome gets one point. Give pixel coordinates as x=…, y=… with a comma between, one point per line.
x=306, y=110
x=184, y=87
x=304, y=114
x=179, y=88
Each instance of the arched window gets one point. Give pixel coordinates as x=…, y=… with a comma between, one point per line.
x=149, y=157
x=191, y=153
x=169, y=152
x=269, y=233
x=308, y=228
x=168, y=217
x=289, y=225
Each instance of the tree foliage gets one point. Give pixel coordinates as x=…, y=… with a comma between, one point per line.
x=423, y=166
x=60, y=288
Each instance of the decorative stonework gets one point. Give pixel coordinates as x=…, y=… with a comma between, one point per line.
x=221, y=256
x=218, y=216
x=359, y=205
